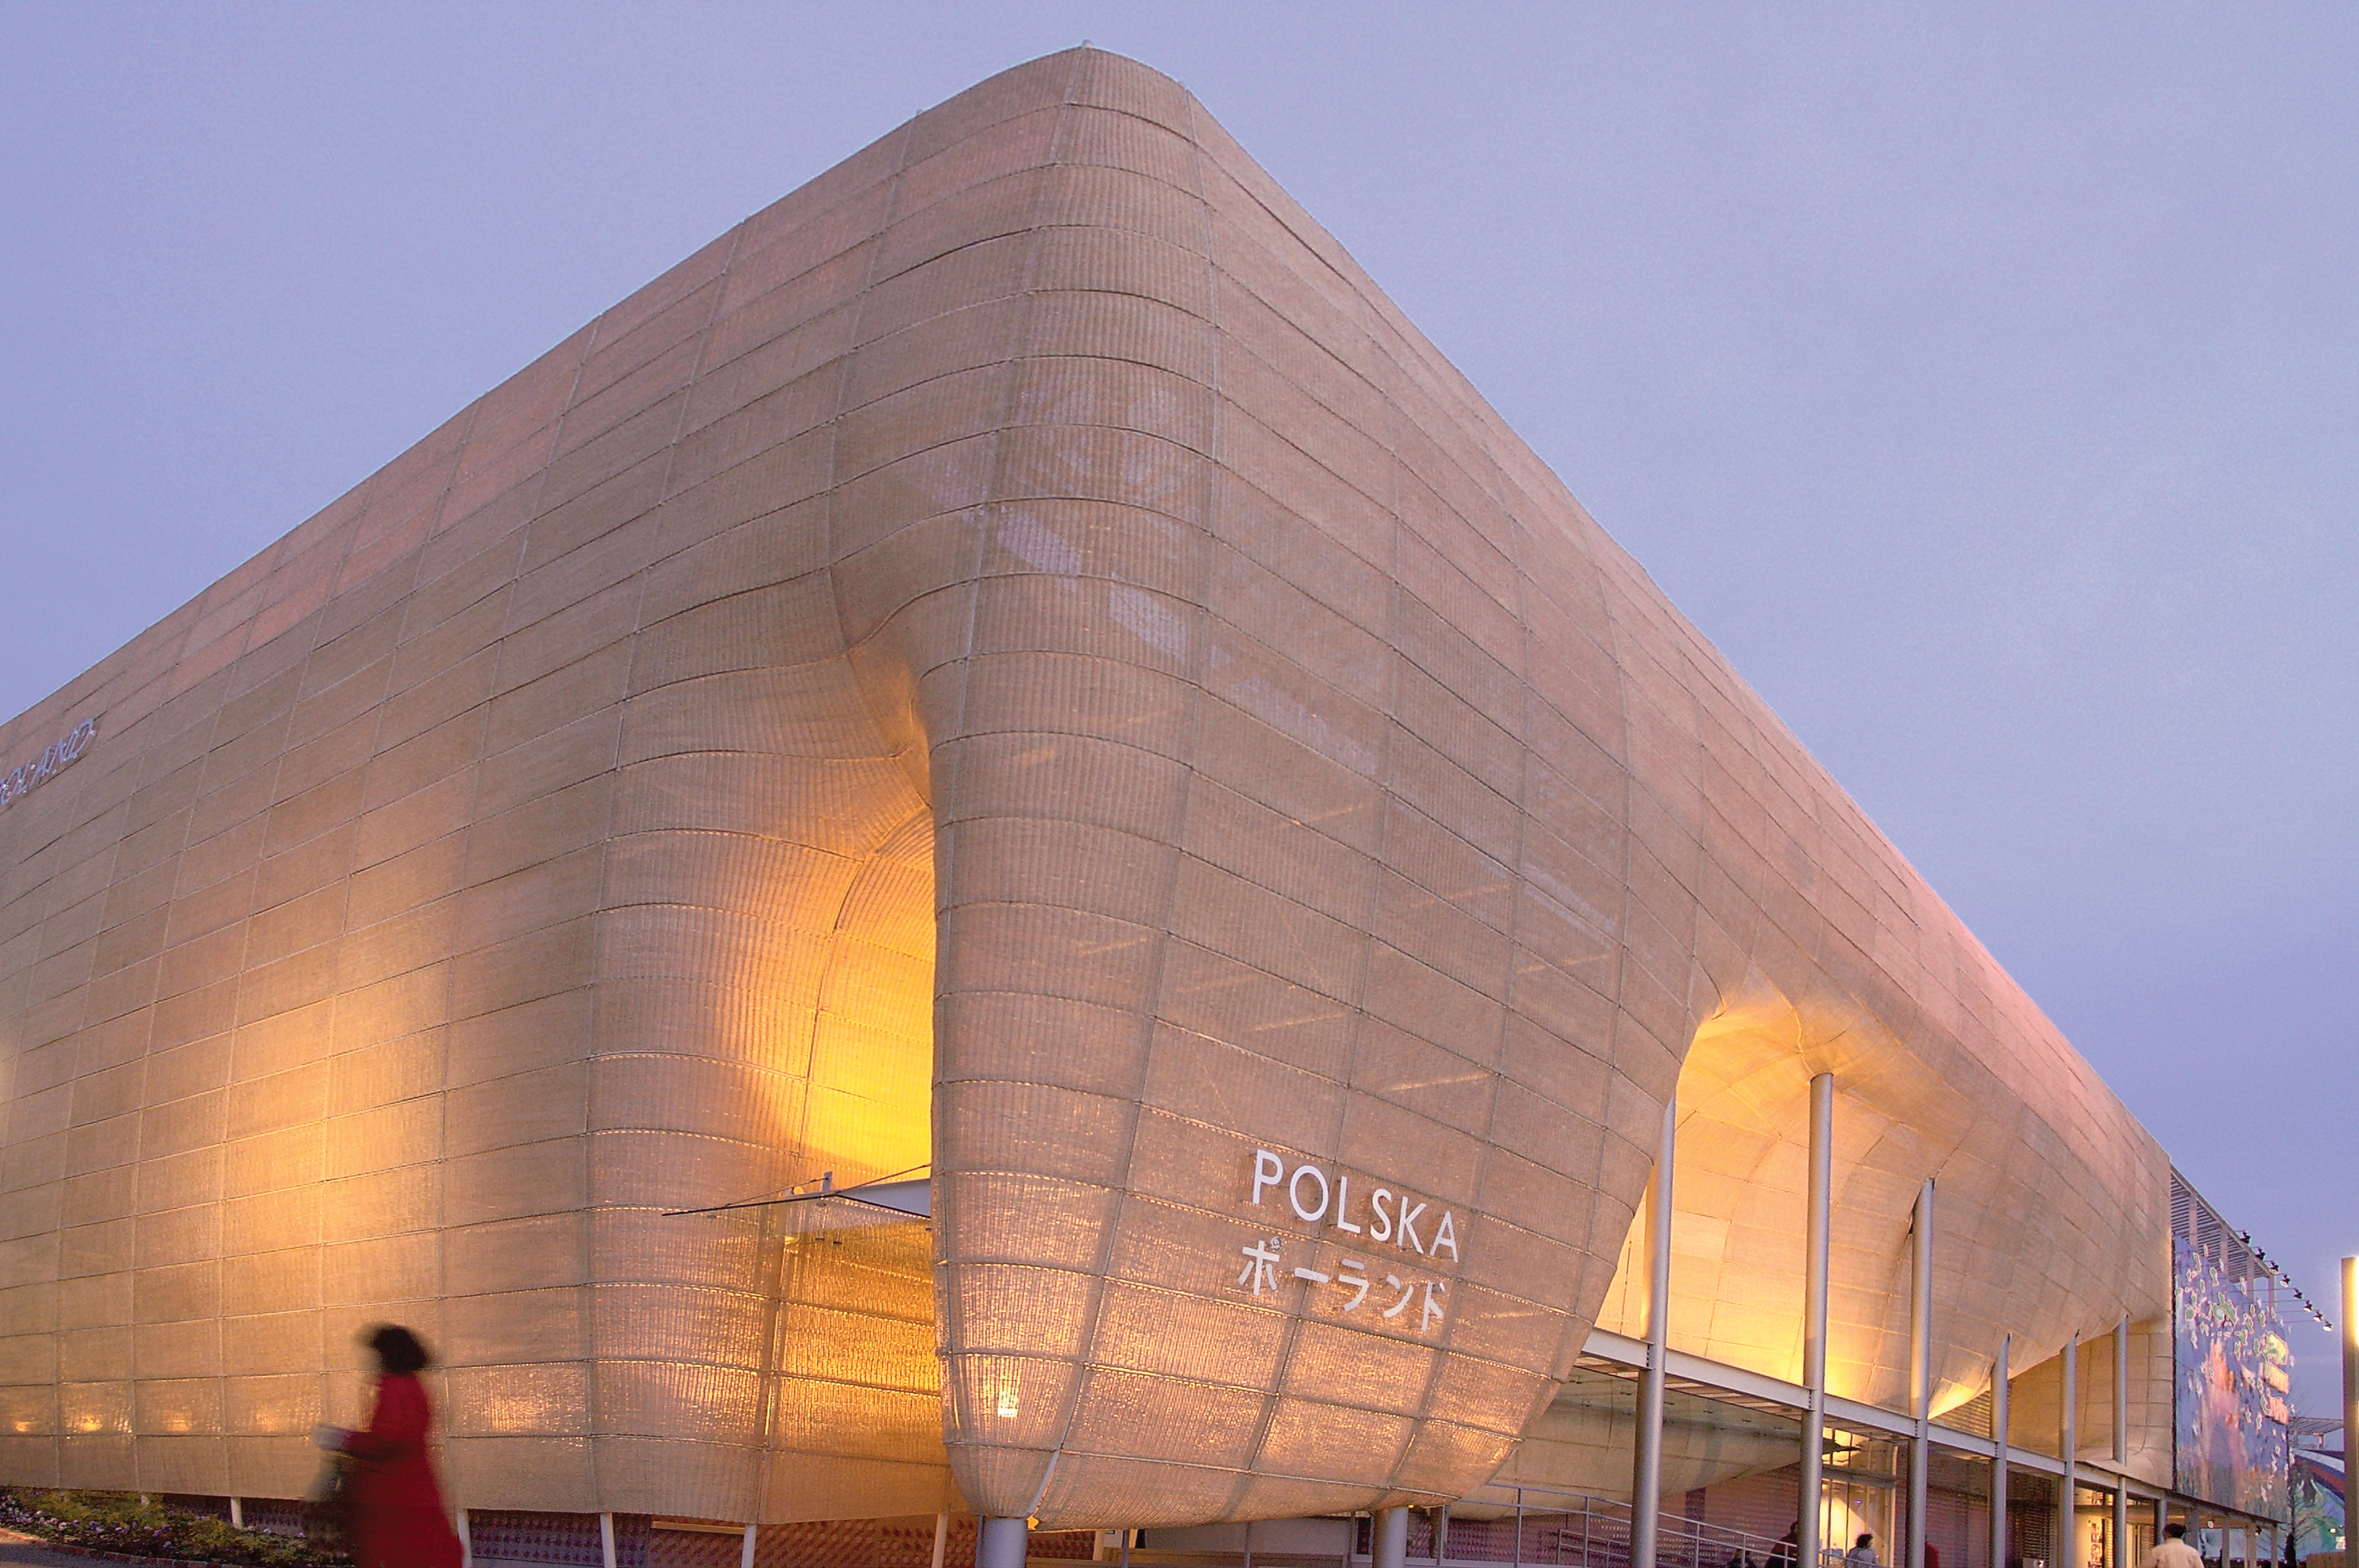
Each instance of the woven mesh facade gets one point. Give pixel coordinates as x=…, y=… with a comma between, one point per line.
x=1017, y=658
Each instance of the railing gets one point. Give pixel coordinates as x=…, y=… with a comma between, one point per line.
x=1569, y=1529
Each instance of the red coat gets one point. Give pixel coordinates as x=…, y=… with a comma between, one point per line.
x=397, y=1516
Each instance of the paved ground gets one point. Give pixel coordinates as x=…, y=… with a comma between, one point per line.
x=28, y=1552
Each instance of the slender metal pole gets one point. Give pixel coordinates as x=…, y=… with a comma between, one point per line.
x=2350, y=1380
x=1998, y=1459
x=2120, y=1555
x=1646, y=1456
x=1518, y=1562
x=1920, y=1371
x=1389, y=1546
x=942, y=1538
x=1248, y=1544
x=606, y=1538
x=745, y=1551
x=1441, y=1533
x=1814, y=1317
x=2067, y=1438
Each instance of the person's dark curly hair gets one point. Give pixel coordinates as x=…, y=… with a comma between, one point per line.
x=397, y=1350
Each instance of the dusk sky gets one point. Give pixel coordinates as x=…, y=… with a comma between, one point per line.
x=1982, y=381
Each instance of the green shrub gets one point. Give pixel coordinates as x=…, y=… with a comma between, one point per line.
x=99, y=1508
x=119, y=1521
x=209, y=1538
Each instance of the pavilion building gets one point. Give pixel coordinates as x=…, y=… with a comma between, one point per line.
x=993, y=870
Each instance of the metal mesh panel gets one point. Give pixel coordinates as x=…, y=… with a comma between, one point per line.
x=513, y=1535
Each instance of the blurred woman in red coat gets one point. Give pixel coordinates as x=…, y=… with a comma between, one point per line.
x=397, y=1517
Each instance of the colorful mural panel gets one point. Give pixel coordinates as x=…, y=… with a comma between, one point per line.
x=2317, y=1497
x=2235, y=1437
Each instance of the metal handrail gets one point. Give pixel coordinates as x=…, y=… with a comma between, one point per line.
x=1579, y=1531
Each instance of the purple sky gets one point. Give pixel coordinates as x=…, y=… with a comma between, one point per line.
x=1985, y=387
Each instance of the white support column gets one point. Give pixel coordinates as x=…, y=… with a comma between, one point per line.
x=942, y=1537
x=606, y=1538
x=1814, y=1318
x=1998, y=1463
x=2121, y=1554
x=2067, y=1438
x=1388, y=1541
x=466, y=1542
x=1647, y=1455
x=745, y=1553
x=1000, y=1543
x=1921, y=1370
x=237, y=1513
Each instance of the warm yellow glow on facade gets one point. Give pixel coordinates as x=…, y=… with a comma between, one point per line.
x=1738, y=1224
x=867, y=1112
x=857, y=1375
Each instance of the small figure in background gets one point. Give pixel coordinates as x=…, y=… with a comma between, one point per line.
x=393, y=1507
x=2173, y=1551
x=1862, y=1553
